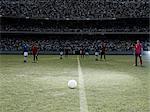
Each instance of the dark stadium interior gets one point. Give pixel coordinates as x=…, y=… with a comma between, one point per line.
x=85, y=26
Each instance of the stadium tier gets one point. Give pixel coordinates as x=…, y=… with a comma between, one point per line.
x=53, y=46
x=23, y=18
x=75, y=9
x=74, y=16
x=126, y=25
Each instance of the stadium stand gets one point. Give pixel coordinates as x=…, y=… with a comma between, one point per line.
x=38, y=25
x=73, y=17
x=75, y=9
x=74, y=45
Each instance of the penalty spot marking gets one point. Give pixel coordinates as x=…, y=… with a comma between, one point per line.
x=83, y=100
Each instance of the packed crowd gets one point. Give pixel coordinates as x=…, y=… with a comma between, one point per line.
x=66, y=29
x=76, y=26
x=54, y=45
x=75, y=9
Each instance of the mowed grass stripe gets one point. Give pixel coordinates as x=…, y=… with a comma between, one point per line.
x=83, y=100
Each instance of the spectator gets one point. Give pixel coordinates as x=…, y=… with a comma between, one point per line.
x=13, y=44
x=78, y=9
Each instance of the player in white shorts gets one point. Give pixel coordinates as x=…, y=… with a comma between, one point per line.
x=96, y=54
x=61, y=52
x=25, y=52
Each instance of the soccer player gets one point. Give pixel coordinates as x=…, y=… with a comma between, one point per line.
x=82, y=52
x=66, y=51
x=25, y=52
x=96, y=53
x=61, y=50
x=138, y=52
x=86, y=51
x=103, y=50
x=35, y=52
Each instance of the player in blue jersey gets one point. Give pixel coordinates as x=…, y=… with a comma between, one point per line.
x=86, y=51
x=25, y=52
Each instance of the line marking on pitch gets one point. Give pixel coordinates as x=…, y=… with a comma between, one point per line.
x=83, y=100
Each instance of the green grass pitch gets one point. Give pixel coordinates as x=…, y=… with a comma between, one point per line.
x=114, y=85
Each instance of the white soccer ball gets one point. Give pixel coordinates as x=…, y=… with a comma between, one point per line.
x=72, y=84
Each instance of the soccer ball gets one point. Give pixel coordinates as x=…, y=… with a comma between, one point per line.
x=72, y=84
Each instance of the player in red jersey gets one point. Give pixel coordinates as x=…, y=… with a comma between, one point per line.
x=82, y=52
x=138, y=52
x=35, y=52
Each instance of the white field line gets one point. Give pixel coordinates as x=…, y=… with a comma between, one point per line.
x=83, y=100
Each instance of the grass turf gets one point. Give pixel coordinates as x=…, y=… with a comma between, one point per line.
x=114, y=85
